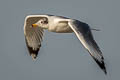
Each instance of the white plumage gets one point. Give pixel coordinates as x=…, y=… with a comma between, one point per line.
x=36, y=24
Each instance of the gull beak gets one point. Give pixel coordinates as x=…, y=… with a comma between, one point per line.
x=34, y=25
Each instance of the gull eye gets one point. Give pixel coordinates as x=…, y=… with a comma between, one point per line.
x=42, y=22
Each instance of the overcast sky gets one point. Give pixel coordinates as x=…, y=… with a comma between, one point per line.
x=61, y=57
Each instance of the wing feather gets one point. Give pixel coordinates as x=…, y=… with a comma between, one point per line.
x=34, y=41
x=33, y=36
x=84, y=34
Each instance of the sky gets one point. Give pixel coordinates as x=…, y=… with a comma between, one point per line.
x=61, y=57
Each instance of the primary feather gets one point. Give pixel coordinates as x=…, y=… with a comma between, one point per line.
x=84, y=34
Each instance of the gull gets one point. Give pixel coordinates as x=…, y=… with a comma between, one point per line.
x=35, y=25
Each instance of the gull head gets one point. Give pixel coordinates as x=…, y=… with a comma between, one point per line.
x=36, y=21
x=43, y=23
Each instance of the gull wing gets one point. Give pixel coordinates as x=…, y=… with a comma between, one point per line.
x=33, y=36
x=83, y=32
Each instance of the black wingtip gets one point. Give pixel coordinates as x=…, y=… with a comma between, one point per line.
x=34, y=56
x=33, y=52
x=101, y=65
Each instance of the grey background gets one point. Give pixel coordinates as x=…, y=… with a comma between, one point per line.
x=61, y=57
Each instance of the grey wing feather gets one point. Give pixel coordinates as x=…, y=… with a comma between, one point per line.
x=84, y=34
x=33, y=40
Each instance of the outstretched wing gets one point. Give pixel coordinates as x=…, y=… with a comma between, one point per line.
x=33, y=36
x=33, y=41
x=83, y=32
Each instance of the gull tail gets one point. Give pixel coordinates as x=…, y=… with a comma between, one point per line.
x=95, y=29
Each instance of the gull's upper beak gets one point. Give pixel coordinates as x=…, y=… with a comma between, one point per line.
x=34, y=25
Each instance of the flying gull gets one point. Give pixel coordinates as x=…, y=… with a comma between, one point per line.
x=35, y=25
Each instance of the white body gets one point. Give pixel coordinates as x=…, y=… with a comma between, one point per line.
x=59, y=25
